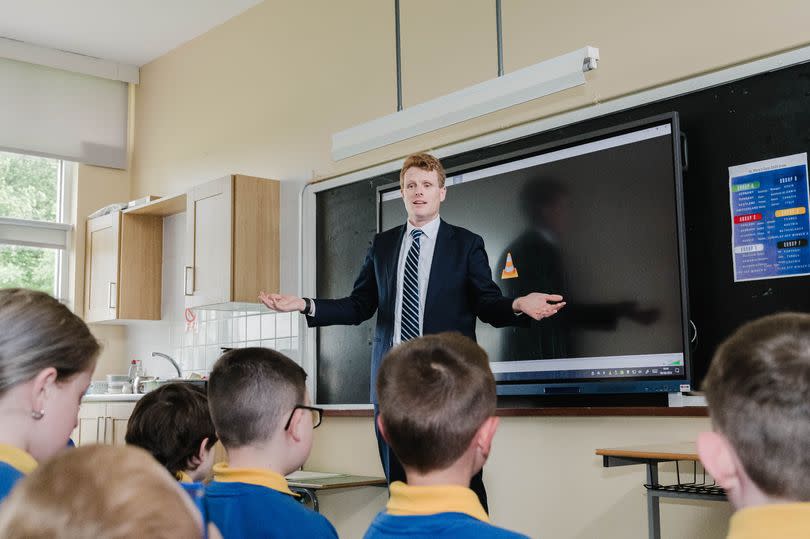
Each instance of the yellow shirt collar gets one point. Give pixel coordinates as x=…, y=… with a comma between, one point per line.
x=423, y=500
x=17, y=458
x=252, y=476
x=783, y=520
x=183, y=477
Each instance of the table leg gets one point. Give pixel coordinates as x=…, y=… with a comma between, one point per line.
x=653, y=513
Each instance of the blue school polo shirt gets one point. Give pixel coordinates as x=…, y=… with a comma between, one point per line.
x=446, y=511
x=258, y=503
x=14, y=465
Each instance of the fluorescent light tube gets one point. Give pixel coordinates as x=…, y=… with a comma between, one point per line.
x=538, y=80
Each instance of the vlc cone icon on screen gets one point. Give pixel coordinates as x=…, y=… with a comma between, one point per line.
x=509, y=270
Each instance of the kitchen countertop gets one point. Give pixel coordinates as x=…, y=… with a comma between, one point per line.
x=119, y=397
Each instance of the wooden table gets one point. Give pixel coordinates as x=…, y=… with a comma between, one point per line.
x=652, y=455
x=308, y=487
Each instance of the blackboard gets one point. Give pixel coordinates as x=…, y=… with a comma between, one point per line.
x=752, y=119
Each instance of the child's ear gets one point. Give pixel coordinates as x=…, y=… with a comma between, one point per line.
x=200, y=456
x=719, y=459
x=485, y=434
x=203, y=450
x=295, y=424
x=42, y=383
x=381, y=427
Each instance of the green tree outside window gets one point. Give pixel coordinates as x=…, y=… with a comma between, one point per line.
x=28, y=190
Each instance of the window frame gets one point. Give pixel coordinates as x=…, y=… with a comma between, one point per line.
x=57, y=235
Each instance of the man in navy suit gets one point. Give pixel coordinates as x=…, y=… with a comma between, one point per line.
x=416, y=293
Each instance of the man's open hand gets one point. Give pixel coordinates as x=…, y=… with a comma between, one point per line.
x=538, y=305
x=282, y=303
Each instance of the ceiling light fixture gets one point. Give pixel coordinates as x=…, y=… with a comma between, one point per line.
x=541, y=79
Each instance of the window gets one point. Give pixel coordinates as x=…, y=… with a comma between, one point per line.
x=33, y=232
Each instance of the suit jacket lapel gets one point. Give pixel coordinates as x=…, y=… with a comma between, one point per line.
x=438, y=270
x=391, y=266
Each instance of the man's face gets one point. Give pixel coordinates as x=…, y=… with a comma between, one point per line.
x=422, y=195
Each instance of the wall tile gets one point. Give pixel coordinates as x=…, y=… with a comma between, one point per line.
x=283, y=325
x=284, y=345
x=268, y=326
x=253, y=328
x=199, y=359
x=225, y=330
x=240, y=329
x=196, y=350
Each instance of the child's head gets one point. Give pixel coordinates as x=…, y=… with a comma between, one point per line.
x=47, y=357
x=254, y=395
x=758, y=390
x=174, y=424
x=437, y=403
x=99, y=492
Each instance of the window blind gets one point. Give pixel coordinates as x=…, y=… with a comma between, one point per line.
x=62, y=114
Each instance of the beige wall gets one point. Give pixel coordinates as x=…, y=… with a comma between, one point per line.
x=263, y=93
x=543, y=478
x=96, y=187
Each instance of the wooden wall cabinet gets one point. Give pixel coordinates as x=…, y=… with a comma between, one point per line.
x=232, y=241
x=231, y=251
x=123, y=263
x=102, y=423
x=101, y=267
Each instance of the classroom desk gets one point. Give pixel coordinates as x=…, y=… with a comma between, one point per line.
x=308, y=484
x=651, y=455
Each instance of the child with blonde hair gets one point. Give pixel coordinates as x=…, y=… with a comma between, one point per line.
x=100, y=492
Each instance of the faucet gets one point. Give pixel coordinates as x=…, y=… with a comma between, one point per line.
x=173, y=362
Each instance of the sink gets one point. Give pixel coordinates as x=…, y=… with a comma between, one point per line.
x=151, y=385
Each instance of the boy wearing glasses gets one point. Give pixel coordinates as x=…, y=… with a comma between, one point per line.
x=437, y=412
x=261, y=412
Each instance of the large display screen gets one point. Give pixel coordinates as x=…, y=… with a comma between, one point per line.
x=598, y=220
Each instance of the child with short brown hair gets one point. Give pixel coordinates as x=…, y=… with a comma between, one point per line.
x=437, y=412
x=173, y=423
x=261, y=411
x=758, y=390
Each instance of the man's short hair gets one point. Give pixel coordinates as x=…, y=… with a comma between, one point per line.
x=250, y=391
x=171, y=422
x=758, y=390
x=434, y=393
x=425, y=161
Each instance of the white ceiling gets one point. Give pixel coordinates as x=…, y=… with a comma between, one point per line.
x=129, y=31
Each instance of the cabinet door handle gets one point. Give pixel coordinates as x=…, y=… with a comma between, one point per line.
x=111, y=303
x=186, y=280
x=98, y=425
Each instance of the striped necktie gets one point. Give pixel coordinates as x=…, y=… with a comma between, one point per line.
x=409, y=319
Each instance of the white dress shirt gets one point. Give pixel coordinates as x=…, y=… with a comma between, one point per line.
x=427, y=243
